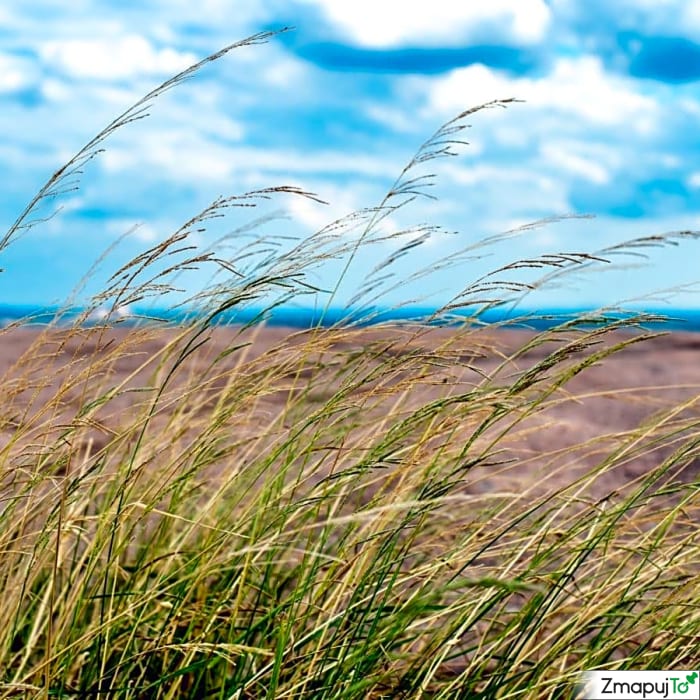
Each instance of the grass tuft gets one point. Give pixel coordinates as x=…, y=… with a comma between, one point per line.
x=198, y=510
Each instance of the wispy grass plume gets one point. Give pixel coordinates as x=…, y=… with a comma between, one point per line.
x=200, y=510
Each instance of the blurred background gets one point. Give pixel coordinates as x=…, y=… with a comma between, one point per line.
x=608, y=126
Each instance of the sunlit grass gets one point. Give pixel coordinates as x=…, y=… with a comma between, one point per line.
x=323, y=516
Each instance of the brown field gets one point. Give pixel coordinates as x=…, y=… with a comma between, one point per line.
x=50, y=376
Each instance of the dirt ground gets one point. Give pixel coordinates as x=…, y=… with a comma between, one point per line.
x=615, y=395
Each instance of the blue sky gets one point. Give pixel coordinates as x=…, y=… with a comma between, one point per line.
x=608, y=126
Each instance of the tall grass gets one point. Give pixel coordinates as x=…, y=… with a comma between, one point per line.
x=195, y=511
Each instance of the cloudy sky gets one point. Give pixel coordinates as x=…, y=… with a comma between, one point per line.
x=609, y=125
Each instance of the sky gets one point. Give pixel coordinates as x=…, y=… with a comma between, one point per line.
x=606, y=124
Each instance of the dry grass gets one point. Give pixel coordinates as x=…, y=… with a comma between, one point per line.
x=304, y=519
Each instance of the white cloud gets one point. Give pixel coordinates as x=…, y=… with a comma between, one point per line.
x=692, y=17
x=179, y=155
x=14, y=73
x=395, y=118
x=694, y=180
x=577, y=87
x=55, y=90
x=114, y=58
x=535, y=189
x=285, y=73
x=184, y=156
x=689, y=105
x=566, y=159
x=212, y=12
x=138, y=230
x=314, y=216
x=673, y=17
x=383, y=23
